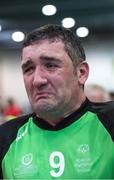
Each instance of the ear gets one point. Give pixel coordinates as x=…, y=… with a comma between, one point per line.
x=82, y=72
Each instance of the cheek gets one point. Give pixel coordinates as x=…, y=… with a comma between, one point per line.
x=28, y=85
x=65, y=84
x=70, y=79
x=65, y=77
x=71, y=84
x=58, y=84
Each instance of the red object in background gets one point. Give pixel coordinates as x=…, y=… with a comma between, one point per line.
x=13, y=110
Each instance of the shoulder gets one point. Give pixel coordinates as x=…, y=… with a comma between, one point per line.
x=105, y=113
x=106, y=108
x=9, y=129
x=8, y=132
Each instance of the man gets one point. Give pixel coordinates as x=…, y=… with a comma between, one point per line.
x=67, y=136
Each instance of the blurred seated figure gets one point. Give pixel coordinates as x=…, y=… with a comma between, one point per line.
x=112, y=95
x=97, y=93
x=2, y=120
x=11, y=110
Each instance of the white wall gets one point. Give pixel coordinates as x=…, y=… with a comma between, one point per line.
x=12, y=79
x=100, y=56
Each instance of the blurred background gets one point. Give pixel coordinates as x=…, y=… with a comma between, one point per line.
x=91, y=20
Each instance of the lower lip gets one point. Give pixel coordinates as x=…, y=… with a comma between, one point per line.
x=42, y=95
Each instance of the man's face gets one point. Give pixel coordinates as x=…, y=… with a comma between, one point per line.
x=50, y=81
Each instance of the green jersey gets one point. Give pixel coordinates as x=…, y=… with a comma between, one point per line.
x=81, y=146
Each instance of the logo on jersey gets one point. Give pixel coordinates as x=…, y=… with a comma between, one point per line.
x=27, y=167
x=20, y=136
x=83, y=148
x=27, y=159
x=83, y=160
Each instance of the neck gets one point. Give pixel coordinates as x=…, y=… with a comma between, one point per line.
x=54, y=118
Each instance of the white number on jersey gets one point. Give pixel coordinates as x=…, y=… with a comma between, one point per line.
x=60, y=165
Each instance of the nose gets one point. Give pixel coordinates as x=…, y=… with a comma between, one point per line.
x=39, y=79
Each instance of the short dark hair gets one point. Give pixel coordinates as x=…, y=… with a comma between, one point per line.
x=53, y=33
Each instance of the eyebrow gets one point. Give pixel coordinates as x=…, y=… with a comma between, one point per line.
x=50, y=58
x=44, y=58
x=25, y=64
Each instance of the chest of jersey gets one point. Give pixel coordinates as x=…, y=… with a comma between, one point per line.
x=77, y=151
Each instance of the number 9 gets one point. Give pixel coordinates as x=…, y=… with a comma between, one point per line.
x=60, y=164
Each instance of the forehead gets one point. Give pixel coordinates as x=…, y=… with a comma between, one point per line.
x=44, y=46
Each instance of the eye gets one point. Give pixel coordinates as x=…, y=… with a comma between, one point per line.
x=50, y=65
x=28, y=69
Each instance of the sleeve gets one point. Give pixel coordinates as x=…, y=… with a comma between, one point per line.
x=106, y=115
x=2, y=148
x=8, y=132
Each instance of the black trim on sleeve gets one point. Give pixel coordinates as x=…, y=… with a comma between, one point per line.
x=8, y=132
x=105, y=113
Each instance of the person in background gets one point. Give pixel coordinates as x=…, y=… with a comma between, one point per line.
x=67, y=136
x=11, y=110
x=97, y=93
x=112, y=95
x=2, y=119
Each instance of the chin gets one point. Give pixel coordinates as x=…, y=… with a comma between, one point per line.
x=44, y=107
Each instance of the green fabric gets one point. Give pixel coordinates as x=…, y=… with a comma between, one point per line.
x=82, y=150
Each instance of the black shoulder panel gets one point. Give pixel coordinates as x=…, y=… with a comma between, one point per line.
x=105, y=113
x=8, y=132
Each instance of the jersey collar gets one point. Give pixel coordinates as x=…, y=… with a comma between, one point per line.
x=66, y=121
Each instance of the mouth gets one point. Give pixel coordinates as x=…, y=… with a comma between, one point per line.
x=42, y=95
